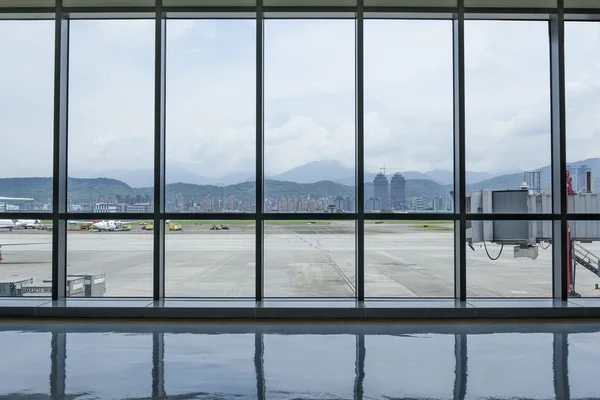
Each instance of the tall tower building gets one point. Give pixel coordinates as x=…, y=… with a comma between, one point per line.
x=398, y=191
x=380, y=189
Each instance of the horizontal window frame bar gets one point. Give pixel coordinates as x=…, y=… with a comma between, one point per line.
x=533, y=217
x=340, y=15
x=26, y=17
x=375, y=15
x=28, y=10
x=583, y=16
x=200, y=15
x=513, y=217
x=395, y=12
x=105, y=216
x=289, y=330
x=510, y=10
x=209, y=9
x=26, y=215
x=309, y=9
x=208, y=216
x=305, y=216
x=110, y=9
x=582, y=217
x=410, y=10
x=108, y=15
x=311, y=216
x=411, y=216
x=508, y=16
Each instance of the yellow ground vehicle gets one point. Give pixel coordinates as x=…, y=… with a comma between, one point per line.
x=216, y=227
x=175, y=228
x=148, y=227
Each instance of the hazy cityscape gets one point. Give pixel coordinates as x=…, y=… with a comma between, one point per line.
x=391, y=192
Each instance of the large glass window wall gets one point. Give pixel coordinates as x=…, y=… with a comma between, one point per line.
x=305, y=152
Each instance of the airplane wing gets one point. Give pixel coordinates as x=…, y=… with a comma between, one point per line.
x=15, y=198
x=80, y=222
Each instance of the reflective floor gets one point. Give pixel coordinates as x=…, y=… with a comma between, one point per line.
x=516, y=360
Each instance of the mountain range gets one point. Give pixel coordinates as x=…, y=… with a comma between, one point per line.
x=338, y=180
x=327, y=170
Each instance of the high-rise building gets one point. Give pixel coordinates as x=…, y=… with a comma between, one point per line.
x=418, y=203
x=398, y=191
x=441, y=203
x=380, y=189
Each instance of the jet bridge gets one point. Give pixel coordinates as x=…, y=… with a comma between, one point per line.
x=527, y=233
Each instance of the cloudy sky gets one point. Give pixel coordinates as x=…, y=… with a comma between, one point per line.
x=309, y=95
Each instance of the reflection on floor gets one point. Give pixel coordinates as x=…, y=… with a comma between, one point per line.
x=47, y=360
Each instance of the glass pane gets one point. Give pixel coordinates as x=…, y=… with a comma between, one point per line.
x=411, y=3
x=409, y=258
x=310, y=259
x=584, y=275
x=210, y=259
x=122, y=359
x=508, y=115
x=582, y=66
x=296, y=3
x=108, y=3
x=111, y=112
x=25, y=258
x=309, y=115
x=113, y=258
x=408, y=97
x=583, y=365
x=384, y=381
x=512, y=3
x=204, y=3
x=26, y=115
x=26, y=365
x=326, y=364
x=524, y=363
x=211, y=112
x=509, y=259
x=210, y=366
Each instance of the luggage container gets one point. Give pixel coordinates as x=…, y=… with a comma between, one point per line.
x=12, y=287
x=75, y=286
x=95, y=283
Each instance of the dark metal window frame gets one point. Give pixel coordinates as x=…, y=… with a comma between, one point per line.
x=556, y=18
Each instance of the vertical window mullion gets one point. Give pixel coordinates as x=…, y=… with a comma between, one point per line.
x=360, y=155
x=260, y=202
x=460, y=223
x=59, y=183
x=560, y=246
x=159, y=153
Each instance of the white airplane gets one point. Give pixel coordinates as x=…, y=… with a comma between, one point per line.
x=9, y=223
x=104, y=225
x=28, y=223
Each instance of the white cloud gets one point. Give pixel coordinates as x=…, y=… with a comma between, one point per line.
x=309, y=94
x=26, y=97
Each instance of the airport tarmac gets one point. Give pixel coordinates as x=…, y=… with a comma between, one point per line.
x=402, y=260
